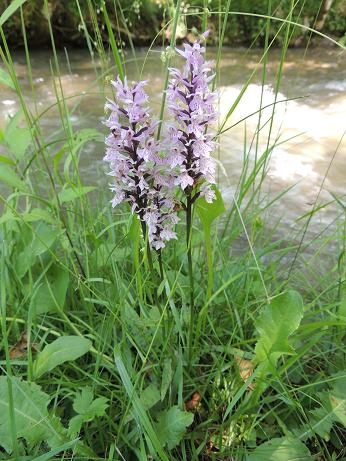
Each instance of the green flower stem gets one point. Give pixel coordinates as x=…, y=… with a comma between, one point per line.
x=150, y=259
x=190, y=268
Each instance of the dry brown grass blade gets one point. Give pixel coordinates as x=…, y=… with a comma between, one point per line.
x=246, y=369
x=21, y=347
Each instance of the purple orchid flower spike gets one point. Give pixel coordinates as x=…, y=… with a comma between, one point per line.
x=192, y=105
x=140, y=176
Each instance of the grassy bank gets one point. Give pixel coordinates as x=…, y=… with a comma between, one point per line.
x=104, y=358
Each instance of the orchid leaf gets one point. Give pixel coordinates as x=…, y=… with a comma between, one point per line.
x=281, y=449
x=63, y=349
x=207, y=213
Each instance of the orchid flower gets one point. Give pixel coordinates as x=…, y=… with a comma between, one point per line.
x=139, y=173
x=192, y=105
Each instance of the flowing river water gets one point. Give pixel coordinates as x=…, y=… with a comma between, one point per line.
x=310, y=153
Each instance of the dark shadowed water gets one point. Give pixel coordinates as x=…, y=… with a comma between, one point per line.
x=310, y=153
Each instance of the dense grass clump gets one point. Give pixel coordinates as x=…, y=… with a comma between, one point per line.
x=229, y=344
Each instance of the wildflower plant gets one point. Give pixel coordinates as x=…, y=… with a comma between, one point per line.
x=140, y=174
x=150, y=174
x=146, y=172
x=192, y=106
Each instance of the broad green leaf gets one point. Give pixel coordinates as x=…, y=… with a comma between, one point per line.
x=12, y=8
x=87, y=409
x=167, y=376
x=11, y=179
x=24, y=261
x=281, y=449
x=17, y=139
x=51, y=293
x=69, y=194
x=150, y=396
x=332, y=410
x=39, y=214
x=171, y=426
x=275, y=325
x=207, y=213
x=43, y=239
x=5, y=79
x=7, y=216
x=75, y=425
x=321, y=421
x=63, y=349
x=33, y=423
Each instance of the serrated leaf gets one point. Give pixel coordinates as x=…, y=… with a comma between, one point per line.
x=275, y=325
x=87, y=409
x=338, y=397
x=63, y=349
x=84, y=403
x=171, y=426
x=82, y=400
x=281, y=449
x=332, y=409
x=33, y=423
x=320, y=421
x=51, y=293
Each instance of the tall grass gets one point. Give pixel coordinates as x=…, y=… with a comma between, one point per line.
x=149, y=383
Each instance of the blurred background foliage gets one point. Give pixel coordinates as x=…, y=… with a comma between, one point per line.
x=140, y=21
